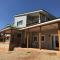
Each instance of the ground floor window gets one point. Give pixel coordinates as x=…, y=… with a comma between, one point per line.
x=42, y=38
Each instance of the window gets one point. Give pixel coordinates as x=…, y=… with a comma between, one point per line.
x=43, y=18
x=19, y=23
x=19, y=35
x=35, y=38
x=42, y=38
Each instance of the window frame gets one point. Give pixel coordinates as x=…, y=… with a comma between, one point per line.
x=20, y=22
x=44, y=38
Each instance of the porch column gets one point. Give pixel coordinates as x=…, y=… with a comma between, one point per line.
x=40, y=38
x=39, y=18
x=27, y=39
x=11, y=45
x=3, y=37
x=59, y=35
x=16, y=40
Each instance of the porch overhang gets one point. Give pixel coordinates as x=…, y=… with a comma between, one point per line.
x=9, y=30
x=44, y=26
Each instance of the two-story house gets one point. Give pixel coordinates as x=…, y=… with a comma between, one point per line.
x=37, y=29
x=32, y=18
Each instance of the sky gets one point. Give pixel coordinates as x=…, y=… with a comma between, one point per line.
x=9, y=8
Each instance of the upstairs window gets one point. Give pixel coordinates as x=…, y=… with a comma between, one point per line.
x=19, y=22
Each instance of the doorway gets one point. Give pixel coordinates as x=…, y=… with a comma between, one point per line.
x=55, y=43
x=34, y=40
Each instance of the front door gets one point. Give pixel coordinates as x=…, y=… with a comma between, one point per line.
x=55, y=43
x=34, y=41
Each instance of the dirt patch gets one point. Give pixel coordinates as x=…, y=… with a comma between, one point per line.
x=29, y=54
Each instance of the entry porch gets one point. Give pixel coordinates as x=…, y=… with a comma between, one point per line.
x=41, y=36
x=44, y=36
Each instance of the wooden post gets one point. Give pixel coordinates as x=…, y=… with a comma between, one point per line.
x=27, y=39
x=59, y=35
x=11, y=45
x=16, y=40
x=40, y=38
x=3, y=37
